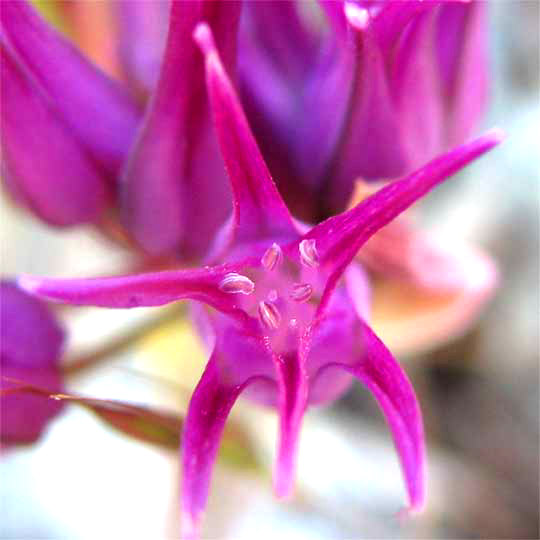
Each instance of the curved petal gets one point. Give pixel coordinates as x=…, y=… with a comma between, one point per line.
x=258, y=209
x=142, y=28
x=175, y=193
x=463, y=54
x=293, y=396
x=339, y=238
x=30, y=346
x=96, y=108
x=414, y=314
x=208, y=410
x=417, y=91
x=370, y=141
x=30, y=336
x=60, y=183
x=383, y=376
x=143, y=290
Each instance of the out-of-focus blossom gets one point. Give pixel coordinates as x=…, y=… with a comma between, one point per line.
x=73, y=121
x=283, y=307
x=388, y=86
x=97, y=156
x=427, y=288
x=30, y=347
x=372, y=90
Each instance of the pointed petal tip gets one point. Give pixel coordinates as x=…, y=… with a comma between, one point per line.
x=190, y=527
x=204, y=38
x=30, y=284
x=356, y=16
x=283, y=487
x=496, y=135
x=415, y=507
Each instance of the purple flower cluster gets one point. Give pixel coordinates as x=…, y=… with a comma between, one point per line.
x=282, y=305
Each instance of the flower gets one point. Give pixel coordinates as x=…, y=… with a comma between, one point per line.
x=97, y=156
x=30, y=347
x=283, y=306
x=402, y=81
x=388, y=86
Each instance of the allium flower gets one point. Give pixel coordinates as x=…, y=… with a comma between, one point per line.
x=30, y=345
x=391, y=85
x=283, y=306
x=95, y=156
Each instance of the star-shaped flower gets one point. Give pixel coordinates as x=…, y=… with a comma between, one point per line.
x=282, y=305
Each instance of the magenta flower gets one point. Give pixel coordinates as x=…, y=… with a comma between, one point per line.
x=97, y=157
x=322, y=104
x=30, y=345
x=283, y=306
x=391, y=85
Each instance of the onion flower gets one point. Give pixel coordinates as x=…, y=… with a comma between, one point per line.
x=283, y=306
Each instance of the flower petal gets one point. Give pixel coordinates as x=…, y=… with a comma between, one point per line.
x=420, y=311
x=143, y=290
x=176, y=194
x=339, y=238
x=463, y=55
x=369, y=142
x=30, y=346
x=60, y=183
x=392, y=18
x=258, y=209
x=383, y=376
x=417, y=91
x=279, y=30
x=293, y=396
x=208, y=409
x=30, y=335
x=100, y=113
x=142, y=30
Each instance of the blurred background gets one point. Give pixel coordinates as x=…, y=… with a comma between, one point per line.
x=479, y=392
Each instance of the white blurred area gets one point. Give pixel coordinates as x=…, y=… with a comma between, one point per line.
x=85, y=481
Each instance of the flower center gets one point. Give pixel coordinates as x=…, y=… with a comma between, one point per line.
x=282, y=294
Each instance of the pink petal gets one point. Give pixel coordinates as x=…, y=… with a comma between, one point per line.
x=59, y=182
x=293, y=396
x=258, y=209
x=99, y=111
x=370, y=143
x=208, y=410
x=417, y=91
x=464, y=60
x=176, y=194
x=142, y=28
x=339, y=238
x=383, y=376
x=143, y=290
x=31, y=343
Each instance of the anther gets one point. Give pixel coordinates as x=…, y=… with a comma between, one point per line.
x=308, y=253
x=269, y=315
x=236, y=283
x=301, y=292
x=272, y=257
x=272, y=295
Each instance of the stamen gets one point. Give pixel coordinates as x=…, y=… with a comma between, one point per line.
x=308, y=253
x=272, y=257
x=234, y=283
x=272, y=295
x=269, y=315
x=301, y=292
